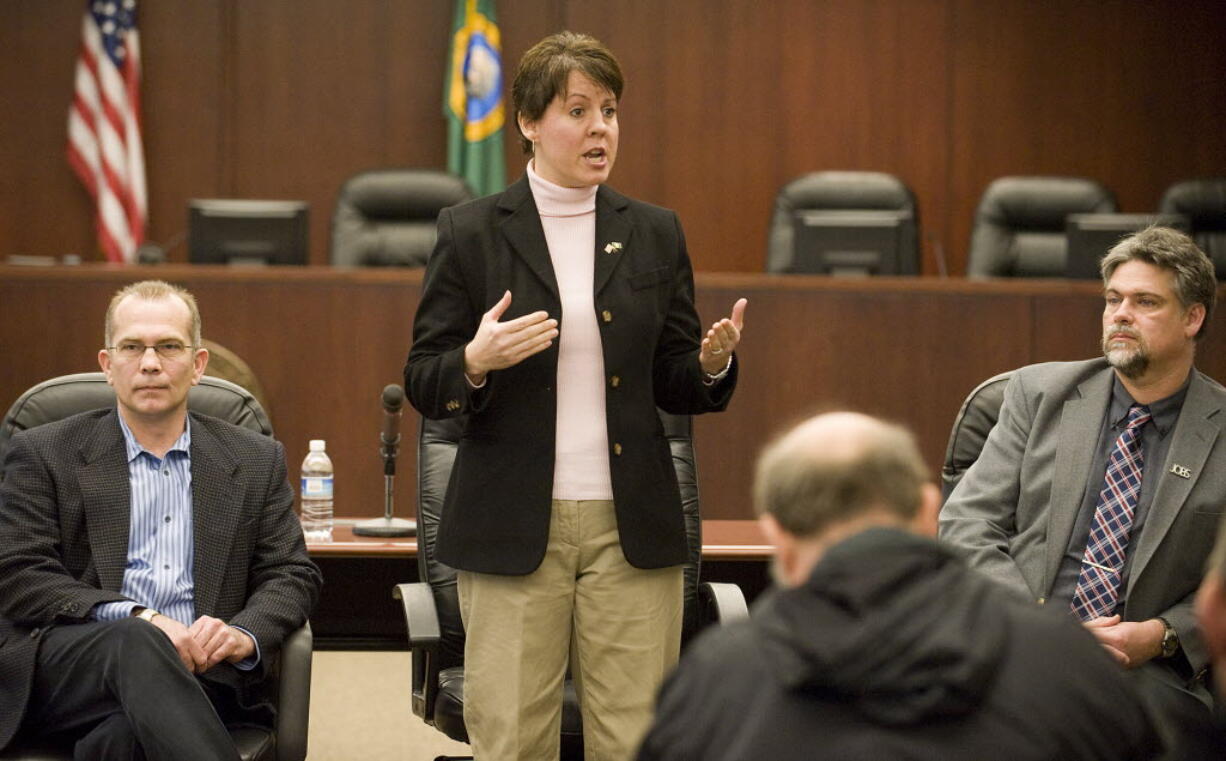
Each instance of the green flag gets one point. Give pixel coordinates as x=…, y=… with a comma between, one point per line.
x=472, y=98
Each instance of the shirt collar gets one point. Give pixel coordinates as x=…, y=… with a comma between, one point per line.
x=1164, y=411
x=183, y=444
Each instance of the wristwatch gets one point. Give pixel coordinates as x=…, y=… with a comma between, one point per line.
x=1170, y=639
x=146, y=613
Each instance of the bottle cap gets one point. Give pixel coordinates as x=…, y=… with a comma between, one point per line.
x=317, y=445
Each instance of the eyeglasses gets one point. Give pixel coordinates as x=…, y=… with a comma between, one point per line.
x=164, y=349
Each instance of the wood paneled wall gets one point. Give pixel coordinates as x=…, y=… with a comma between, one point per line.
x=324, y=342
x=726, y=101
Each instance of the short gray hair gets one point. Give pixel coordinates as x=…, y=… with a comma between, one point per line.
x=153, y=290
x=808, y=487
x=1195, y=280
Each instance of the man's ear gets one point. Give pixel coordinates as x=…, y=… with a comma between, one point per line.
x=200, y=360
x=771, y=529
x=1193, y=319
x=925, y=521
x=104, y=361
x=785, y=555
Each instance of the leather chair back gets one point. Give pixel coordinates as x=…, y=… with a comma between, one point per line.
x=388, y=217
x=436, y=451
x=1020, y=224
x=68, y=395
x=974, y=422
x=844, y=191
x=1203, y=202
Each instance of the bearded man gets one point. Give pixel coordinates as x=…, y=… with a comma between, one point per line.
x=1099, y=488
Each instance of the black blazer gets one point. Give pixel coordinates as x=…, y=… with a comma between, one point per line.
x=64, y=517
x=496, y=514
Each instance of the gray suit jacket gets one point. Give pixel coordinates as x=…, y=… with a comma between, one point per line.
x=64, y=516
x=1014, y=510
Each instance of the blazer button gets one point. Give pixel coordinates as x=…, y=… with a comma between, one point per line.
x=617, y=449
x=35, y=632
x=607, y=316
x=615, y=381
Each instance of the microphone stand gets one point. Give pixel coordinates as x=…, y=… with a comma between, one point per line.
x=387, y=525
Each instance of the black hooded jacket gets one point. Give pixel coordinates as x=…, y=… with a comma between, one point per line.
x=894, y=650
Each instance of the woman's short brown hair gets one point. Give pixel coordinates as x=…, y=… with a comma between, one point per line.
x=545, y=68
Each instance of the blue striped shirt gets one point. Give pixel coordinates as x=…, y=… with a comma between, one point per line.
x=158, y=573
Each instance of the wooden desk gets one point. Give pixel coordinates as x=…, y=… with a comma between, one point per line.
x=356, y=610
x=324, y=343
x=721, y=540
x=346, y=544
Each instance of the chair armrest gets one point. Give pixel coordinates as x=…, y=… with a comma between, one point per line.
x=421, y=625
x=294, y=694
x=420, y=615
x=721, y=602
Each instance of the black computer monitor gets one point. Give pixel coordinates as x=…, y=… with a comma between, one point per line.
x=239, y=231
x=854, y=242
x=1091, y=236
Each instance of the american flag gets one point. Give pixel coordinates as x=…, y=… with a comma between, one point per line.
x=104, y=135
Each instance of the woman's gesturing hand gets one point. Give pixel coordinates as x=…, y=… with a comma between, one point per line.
x=499, y=345
x=722, y=339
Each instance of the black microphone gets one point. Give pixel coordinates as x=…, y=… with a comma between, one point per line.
x=152, y=253
x=393, y=400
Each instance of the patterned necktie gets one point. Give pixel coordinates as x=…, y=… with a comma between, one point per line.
x=1098, y=586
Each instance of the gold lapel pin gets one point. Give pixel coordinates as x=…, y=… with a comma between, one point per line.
x=613, y=247
x=1181, y=471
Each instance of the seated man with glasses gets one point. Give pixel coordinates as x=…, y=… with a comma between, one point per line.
x=150, y=560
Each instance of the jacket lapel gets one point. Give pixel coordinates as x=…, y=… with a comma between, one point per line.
x=217, y=507
x=522, y=228
x=1195, y=432
x=106, y=499
x=613, y=233
x=1080, y=423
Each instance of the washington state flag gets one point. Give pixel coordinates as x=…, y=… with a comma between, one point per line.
x=472, y=98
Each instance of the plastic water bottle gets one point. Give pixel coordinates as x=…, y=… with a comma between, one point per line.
x=317, y=494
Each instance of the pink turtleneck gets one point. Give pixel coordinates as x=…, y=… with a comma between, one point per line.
x=581, y=463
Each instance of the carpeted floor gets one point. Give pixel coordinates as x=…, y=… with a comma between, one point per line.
x=360, y=711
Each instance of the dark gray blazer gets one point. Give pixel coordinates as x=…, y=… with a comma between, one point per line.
x=496, y=514
x=64, y=515
x=1014, y=510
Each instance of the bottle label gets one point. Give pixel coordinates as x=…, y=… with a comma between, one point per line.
x=317, y=487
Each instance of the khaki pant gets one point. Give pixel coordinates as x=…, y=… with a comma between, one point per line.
x=623, y=623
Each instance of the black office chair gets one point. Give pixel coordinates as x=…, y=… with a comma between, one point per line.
x=974, y=422
x=843, y=191
x=1020, y=228
x=1203, y=202
x=67, y=395
x=387, y=217
x=432, y=609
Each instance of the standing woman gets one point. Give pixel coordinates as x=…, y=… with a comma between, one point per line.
x=556, y=316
